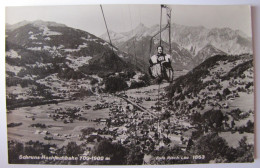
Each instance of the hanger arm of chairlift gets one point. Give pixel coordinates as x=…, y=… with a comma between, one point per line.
x=151, y=40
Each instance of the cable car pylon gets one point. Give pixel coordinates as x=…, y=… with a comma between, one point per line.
x=168, y=26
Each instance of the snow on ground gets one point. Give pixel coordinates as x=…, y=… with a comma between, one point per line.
x=12, y=54
x=208, y=78
x=30, y=77
x=39, y=65
x=84, y=45
x=60, y=46
x=69, y=50
x=32, y=37
x=45, y=32
x=105, y=43
x=53, y=78
x=97, y=77
x=78, y=62
x=46, y=48
x=53, y=50
x=14, y=69
x=121, y=55
x=136, y=77
x=83, y=38
x=48, y=32
x=249, y=72
x=88, y=39
x=35, y=48
x=40, y=43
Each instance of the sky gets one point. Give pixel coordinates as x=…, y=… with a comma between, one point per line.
x=122, y=18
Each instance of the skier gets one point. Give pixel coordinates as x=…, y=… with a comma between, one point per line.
x=160, y=66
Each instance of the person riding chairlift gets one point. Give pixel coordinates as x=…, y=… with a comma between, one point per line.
x=160, y=66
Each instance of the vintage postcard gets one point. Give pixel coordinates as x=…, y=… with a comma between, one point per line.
x=129, y=84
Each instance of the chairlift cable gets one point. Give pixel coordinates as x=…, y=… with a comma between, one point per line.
x=161, y=27
x=169, y=13
x=107, y=28
x=140, y=20
x=160, y=45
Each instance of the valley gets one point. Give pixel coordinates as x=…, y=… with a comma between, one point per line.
x=68, y=94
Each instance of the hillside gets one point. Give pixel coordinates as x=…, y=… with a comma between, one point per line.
x=214, y=72
x=54, y=37
x=222, y=83
x=107, y=62
x=217, y=96
x=47, y=61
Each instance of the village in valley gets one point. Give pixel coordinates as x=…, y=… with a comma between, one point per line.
x=73, y=97
x=143, y=117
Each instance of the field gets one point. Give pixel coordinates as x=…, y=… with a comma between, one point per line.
x=233, y=139
x=58, y=129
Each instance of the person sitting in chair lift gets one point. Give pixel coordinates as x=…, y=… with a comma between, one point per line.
x=160, y=66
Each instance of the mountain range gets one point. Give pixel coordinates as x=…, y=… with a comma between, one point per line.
x=190, y=45
x=193, y=42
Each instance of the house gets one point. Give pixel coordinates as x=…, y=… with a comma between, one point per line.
x=94, y=133
x=45, y=132
x=37, y=132
x=161, y=144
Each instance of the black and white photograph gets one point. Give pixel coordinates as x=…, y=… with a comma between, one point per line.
x=129, y=84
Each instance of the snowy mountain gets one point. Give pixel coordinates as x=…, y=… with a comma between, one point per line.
x=115, y=37
x=50, y=37
x=197, y=37
x=137, y=32
x=205, y=53
x=118, y=38
x=75, y=47
x=45, y=59
x=192, y=39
